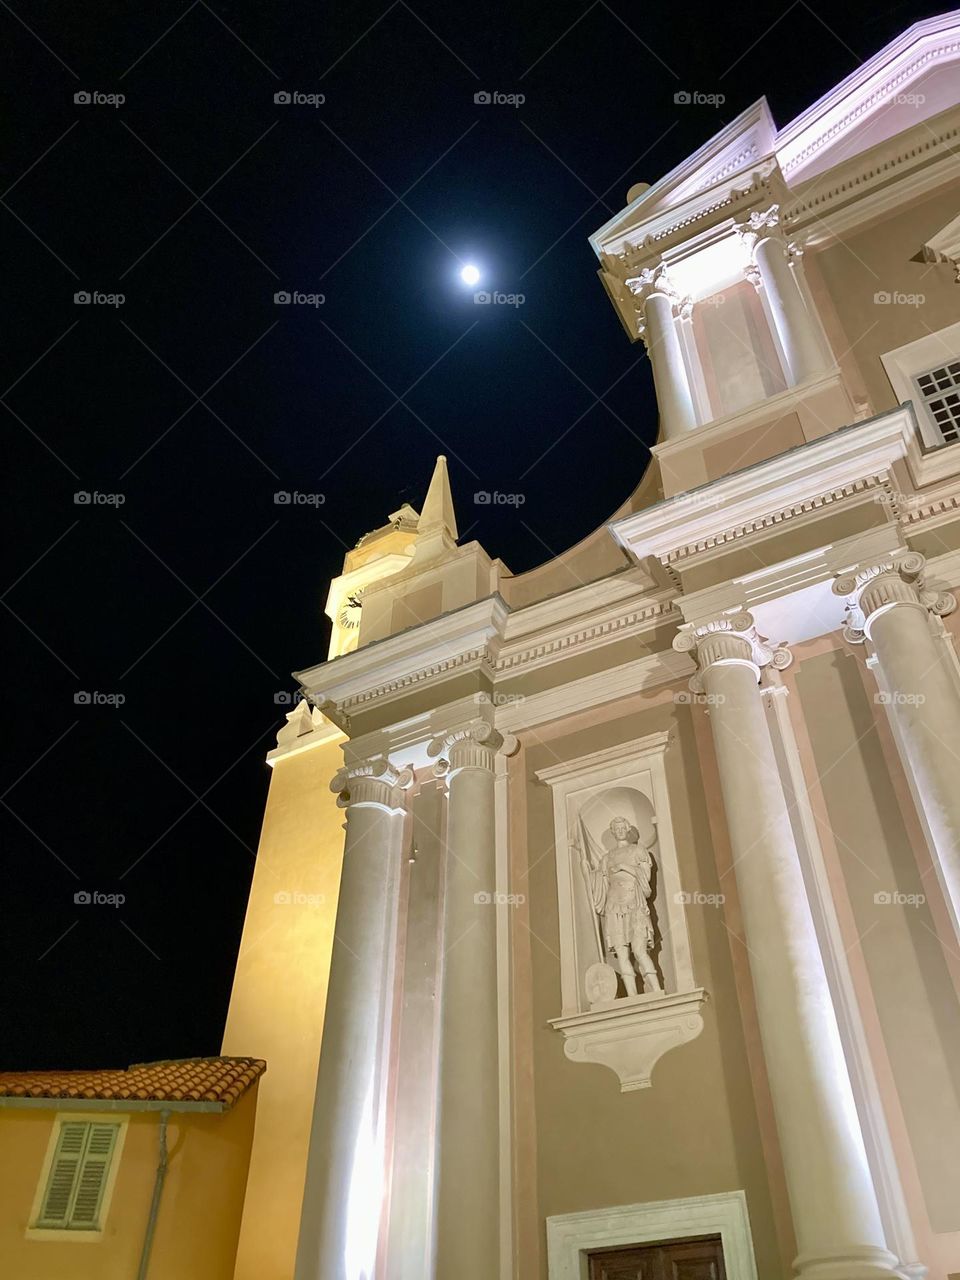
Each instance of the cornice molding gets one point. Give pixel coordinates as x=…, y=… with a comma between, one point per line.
x=459, y=641
x=769, y=492
x=866, y=90
x=583, y=768
x=857, y=190
x=560, y=641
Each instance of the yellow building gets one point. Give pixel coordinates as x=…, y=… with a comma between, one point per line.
x=140, y=1173
x=641, y=946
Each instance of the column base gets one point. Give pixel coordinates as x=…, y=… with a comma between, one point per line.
x=863, y=1262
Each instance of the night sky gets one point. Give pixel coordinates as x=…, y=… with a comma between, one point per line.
x=181, y=595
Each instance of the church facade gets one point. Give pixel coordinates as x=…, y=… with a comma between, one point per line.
x=607, y=916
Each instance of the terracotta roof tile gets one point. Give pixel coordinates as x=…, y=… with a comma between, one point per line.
x=217, y=1080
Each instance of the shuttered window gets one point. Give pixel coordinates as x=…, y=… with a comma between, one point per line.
x=78, y=1176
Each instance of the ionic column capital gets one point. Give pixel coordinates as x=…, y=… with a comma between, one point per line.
x=731, y=639
x=655, y=282
x=374, y=782
x=760, y=224
x=874, y=588
x=471, y=745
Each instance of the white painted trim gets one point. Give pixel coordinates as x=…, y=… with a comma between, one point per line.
x=867, y=90
x=571, y=1235
x=841, y=458
x=504, y=1014
x=888, y=1185
x=883, y=684
x=903, y=365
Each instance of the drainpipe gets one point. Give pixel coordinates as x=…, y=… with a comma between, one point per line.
x=155, y=1201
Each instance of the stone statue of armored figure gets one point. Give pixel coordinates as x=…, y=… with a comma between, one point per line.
x=618, y=882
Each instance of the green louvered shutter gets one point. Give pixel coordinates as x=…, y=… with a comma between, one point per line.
x=93, y=1176
x=63, y=1175
x=78, y=1176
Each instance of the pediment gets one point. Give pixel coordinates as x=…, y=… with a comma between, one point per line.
x=736, y=151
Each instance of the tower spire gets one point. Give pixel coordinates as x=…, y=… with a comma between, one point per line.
x=437, y=527
x=437, y=515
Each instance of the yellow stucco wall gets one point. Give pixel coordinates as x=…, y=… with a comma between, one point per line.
x=279, y=993
x=199, y=1218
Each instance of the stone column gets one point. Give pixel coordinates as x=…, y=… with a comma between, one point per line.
x=343, y=1190
x=889, y=604
x=468, y=1186
x=656, y=302
x=803, y=345
x=835, y=1211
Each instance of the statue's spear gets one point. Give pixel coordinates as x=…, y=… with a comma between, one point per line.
x=581, y=843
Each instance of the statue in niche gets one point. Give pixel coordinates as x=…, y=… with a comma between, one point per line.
x=618, y=883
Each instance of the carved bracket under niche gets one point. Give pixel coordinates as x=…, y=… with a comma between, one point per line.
x=613, y=831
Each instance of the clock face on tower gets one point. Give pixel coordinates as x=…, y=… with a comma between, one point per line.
x=349, y=614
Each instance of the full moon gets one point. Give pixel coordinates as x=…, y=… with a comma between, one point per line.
x=469, y=274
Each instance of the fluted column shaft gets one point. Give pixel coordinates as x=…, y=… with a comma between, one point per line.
x=924, y=700
x=468, y=1235
x=343, y=1188
x=835, y=1211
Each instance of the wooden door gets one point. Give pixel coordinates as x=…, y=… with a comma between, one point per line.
x=700, y=1259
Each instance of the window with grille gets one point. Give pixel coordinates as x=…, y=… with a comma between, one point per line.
x=73, y=1197
x=940, y=389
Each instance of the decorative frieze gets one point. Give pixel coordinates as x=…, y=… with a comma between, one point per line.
x=629, y=623
x=772, y=518
x=472, y=658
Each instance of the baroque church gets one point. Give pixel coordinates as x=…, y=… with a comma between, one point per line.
x=606, y=921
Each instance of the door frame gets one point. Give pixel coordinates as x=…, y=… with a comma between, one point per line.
x=570, y=1236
